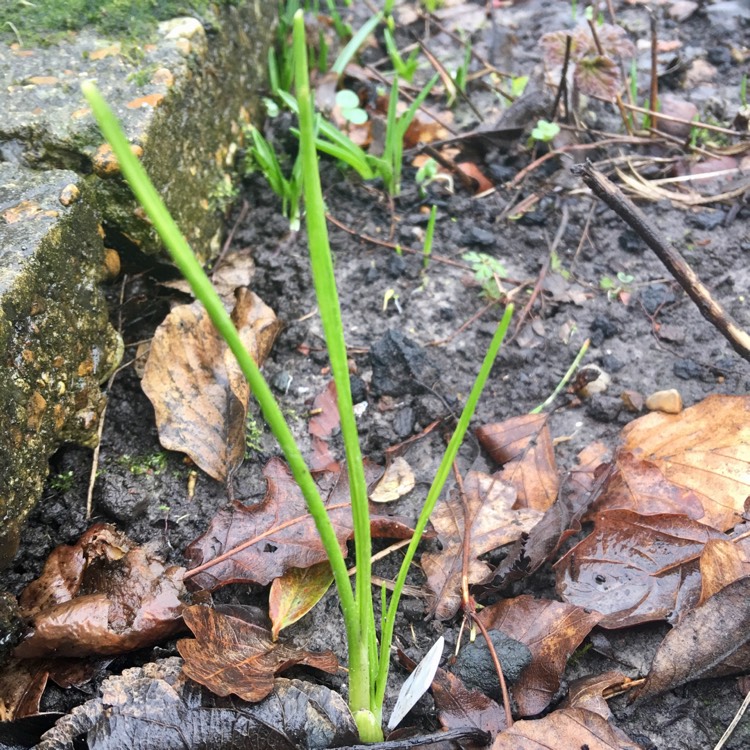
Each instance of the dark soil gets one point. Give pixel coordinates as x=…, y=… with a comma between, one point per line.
x=650, y=337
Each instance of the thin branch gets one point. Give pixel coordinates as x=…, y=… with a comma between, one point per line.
x=608, y=192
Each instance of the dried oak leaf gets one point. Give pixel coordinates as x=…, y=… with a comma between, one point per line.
x=321, y=427
x=492, y=522
x=591, y=692
x=295, y=593
x=22, y=683
x=631, y=567
x=458, y=707
x=232, y=656
x=198, y=391
x=523, y=446
x=712, y=640
x=578, y=490
x=562, y=730
x=722, y=561
x=102, y=595
x=278, y=533
x=552, y=631
x=696, y=463
x=156, y=706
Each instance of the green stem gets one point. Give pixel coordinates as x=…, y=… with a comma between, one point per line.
x=191, y=269
x=386, y=637
x=565, y=378
x=360, y=692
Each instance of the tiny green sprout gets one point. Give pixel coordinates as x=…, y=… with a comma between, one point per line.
x=348, y=103
x=487, y=272
x=545, y=131
x=743, y=90
x=613, y=287
x=426, y=173
x=62, y=482
x=518, y=85
x=272, y=109
x=428, y=237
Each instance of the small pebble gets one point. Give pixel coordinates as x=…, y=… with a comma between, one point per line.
x=604, y=408
x=669, y=402
x=633, y=401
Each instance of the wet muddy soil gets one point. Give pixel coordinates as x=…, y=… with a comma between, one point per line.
x=415, y=359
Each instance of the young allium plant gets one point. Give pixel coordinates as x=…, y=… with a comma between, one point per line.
x=368, y=662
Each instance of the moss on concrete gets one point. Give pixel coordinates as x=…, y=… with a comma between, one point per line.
x=48, y=21
x=56, y=342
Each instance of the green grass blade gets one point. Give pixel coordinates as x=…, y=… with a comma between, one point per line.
x=346, y=54
x=192, y=270
x=436, y=488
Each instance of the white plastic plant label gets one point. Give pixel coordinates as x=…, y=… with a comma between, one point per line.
x=417, y=683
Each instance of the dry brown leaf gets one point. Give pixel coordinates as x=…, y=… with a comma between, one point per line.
x=589, y=692
x=492, y=523
x=523, y=446
x=721, y=563
x=235, y=270
x=578, y=491
x=631, y=567
x=22, y=683
x=696, y=463
x=324, y=422
x=458, y=707
x=195, y=384
x=102, y=595
x=278, y=533
x=294, y=594
x=711, y=641
x=231, y=656
x=563, y=730
x=397, y=481
x=552, y=631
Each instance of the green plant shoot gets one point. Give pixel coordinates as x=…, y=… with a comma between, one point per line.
x=368, y=665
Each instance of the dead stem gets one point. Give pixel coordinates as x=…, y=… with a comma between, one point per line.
x=608, y=192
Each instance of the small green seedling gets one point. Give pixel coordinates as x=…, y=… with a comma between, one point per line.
x=487, y=272
x=614, y=287
x=404, y=68
x=461, y=77
x=263, y=158
x=369, y=657
x=545, y=131
x=348, y=103
x=428, y=237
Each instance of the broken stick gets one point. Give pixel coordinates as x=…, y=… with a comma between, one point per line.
x=607, y=191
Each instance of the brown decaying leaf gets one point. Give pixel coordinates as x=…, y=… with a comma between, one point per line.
x=131, y=599
x=492, y=523
x=712, y=640
x=321, y=426
x=231, y=656
x=156, y=706
x=552, y=631
x=721, y=563
x=294, y=594
x=563, y=730
x=195, y=384
x=696, y=463
x=283, y=531
x=578, y=490
x=22, y=683
x=523, y=446
x=458, y=707
x=631, y=567
x=397, y=481
x=589, y=692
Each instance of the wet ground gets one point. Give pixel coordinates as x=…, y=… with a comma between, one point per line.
x=645, y=333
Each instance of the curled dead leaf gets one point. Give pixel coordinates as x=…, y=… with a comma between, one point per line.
x=102, y=595
x=195, y=384
x=231, y=656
